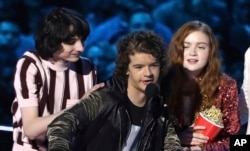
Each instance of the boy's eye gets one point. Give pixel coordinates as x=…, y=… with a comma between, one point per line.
x=138, y=67
x=156, y=65
x=72, y=41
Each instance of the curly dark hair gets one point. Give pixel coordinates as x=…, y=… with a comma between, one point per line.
x=139, y=42
x=60, y=25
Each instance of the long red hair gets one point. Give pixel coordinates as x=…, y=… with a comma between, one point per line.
x=176, y=82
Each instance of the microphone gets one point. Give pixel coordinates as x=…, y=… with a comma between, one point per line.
x=152, y=90
x=154, y=103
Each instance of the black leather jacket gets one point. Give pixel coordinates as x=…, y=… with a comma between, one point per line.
x=101, y=122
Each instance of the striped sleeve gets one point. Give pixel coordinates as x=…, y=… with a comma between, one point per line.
x=25, y=83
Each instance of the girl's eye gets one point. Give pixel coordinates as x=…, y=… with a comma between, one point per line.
x=185, y=46
x=201, y=47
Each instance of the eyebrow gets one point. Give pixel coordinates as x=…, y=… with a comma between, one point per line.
x=205, y=43
x=156, y=62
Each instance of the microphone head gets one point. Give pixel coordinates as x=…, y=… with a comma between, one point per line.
x=152, y=90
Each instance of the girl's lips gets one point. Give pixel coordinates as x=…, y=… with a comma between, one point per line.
x=192, y=60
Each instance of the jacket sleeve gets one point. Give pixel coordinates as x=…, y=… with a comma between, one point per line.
x=64, y=128
x=171, y=141
x=244, y=97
